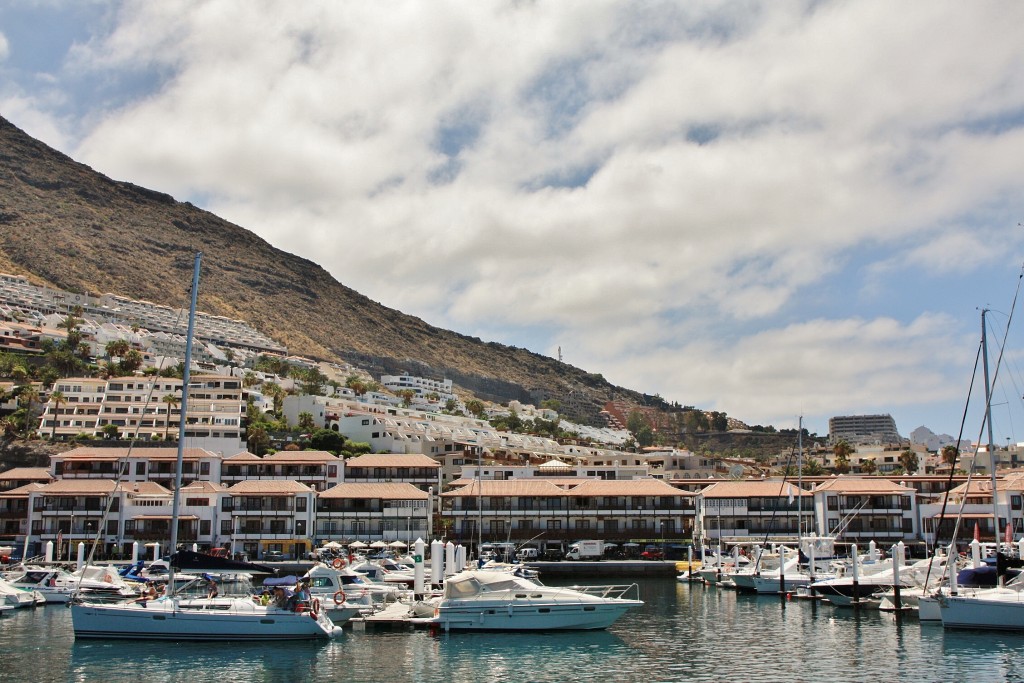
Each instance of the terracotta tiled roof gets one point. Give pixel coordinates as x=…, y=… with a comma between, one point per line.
x=401, y=491
x=26, y=473
x=106, y=454
x=244, y=455
x=508, y=487
x=301, y=457
x=203, y=487
x=392, y=460
x=22, y=491
x=79, y=486
x=270, y=487
x=844, y=484
x=749, y=489
x=625, y=487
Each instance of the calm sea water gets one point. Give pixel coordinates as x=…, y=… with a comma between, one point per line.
x=683, y=633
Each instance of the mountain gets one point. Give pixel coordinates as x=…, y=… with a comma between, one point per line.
x=64, y=225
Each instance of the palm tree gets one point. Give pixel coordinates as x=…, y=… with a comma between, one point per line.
x=28, y=393
x=868, y=466
x=949, y=454
x=908, y=459
x=257, y=437
x=172, y=401
x=58, y=399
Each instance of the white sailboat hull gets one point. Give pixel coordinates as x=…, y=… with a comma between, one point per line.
x=502, y=616
x=998, y=613
x=232, y=620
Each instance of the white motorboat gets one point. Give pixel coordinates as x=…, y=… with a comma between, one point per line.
x=17, y=598
x=498, y=601
x=179, y=617
x=385, y=571
x=54, y=584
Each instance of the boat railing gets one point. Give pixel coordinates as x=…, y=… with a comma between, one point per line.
x=619, y=592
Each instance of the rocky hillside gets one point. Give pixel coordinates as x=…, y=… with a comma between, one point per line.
x=67, y=226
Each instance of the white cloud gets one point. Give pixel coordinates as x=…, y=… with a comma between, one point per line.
x=643, y=183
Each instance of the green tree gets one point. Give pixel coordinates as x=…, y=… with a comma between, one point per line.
x=842, y=450
x=950, y=454
x=130, y=362
x=58, y=399
x=451, y=405
x=868, y=466
x=26, y=398
x=111, y=432
x=117, y=349
x=257, y=438
x=171, y=401
x=475, y=408
x=306, y=422
x=327, y=440
x=407, y=395
x=719, y=421
x=908, y=460
x=813, y=468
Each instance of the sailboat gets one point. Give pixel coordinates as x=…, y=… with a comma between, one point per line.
x=1000, y=608
x=181, y=616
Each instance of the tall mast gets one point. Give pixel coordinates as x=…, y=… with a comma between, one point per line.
x=800, y=481
x=988, y=419
x=186, y=377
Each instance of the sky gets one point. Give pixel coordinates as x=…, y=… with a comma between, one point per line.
x=772, y=209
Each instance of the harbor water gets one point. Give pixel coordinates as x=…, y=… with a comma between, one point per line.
x=683, y=633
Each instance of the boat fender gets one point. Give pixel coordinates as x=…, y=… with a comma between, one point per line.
x=339, y=597
x=314, y=608
x=338, y=563
x=108, y=578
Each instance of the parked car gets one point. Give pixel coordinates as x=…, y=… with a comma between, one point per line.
x=273, y=556
x=652, y=552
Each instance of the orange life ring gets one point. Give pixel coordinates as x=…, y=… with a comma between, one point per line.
x=338, y=563
x=314, y=607
x=339, y=597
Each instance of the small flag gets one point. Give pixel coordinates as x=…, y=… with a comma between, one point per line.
x=791, y=496
x=60, y=539
x=1008, y=537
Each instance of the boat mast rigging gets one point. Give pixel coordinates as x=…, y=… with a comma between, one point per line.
x=185, y=379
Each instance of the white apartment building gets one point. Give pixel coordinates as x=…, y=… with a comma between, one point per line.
x=421, y=386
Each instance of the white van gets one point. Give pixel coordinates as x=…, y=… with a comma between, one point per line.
x=527, y=554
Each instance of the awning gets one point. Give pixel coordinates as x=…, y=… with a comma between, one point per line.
x=966, y=515
x=285, y=542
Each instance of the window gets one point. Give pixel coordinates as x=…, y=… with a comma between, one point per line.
x=554, y=524
x=204, y=527
x=140, y=468
x=204, y=468
x=300, y=504
x=582, y=524
x=225, y=526
x=197, y=501
x=225, y=504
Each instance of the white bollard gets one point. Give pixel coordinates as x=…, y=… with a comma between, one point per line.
x=460, y=558
x=49, y=551
x=81, y=555
x=449, y=558
x=872, y=551
x=195, y=547
x=436, y=562
x=417, y=567
x=975, y=553
x=156, y=552
x=135, y=552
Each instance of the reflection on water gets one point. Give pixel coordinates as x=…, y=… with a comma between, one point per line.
x=683, y=632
